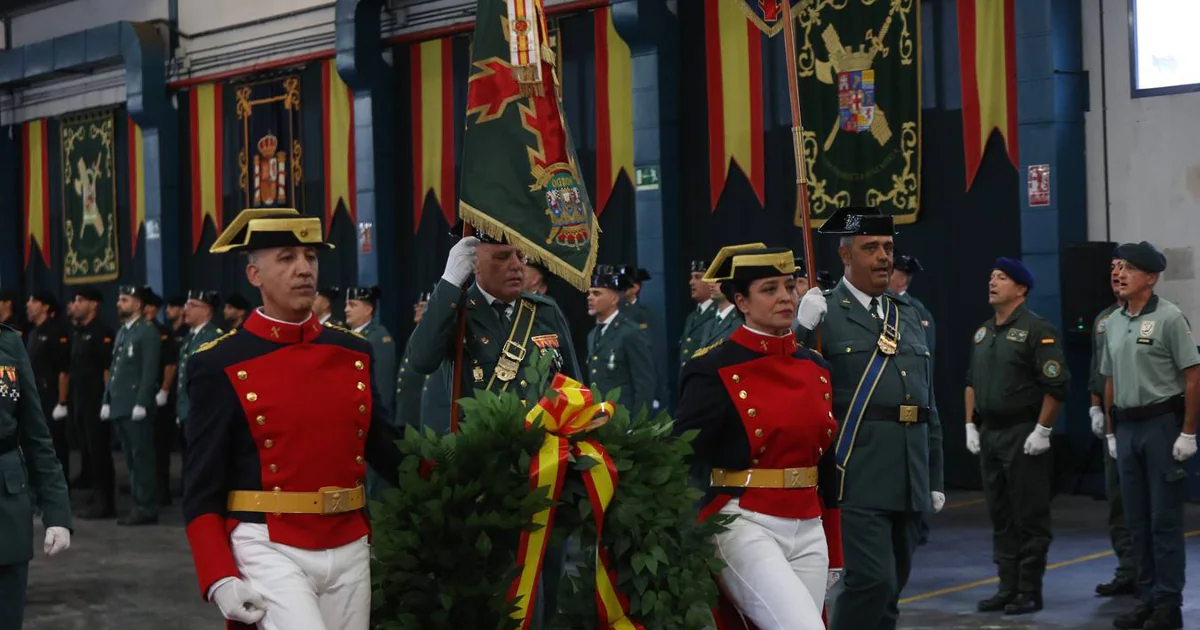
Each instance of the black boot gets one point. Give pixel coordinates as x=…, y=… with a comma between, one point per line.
x=1024, y=603
x=137, y=517
x=997, y=602
x=1119, y=586
x=97, y=510
x=1134, y=620
x=1165, y=618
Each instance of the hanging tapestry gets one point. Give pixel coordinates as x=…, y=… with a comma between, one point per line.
x=271, y=172
x=860, y=88
x=89, y=198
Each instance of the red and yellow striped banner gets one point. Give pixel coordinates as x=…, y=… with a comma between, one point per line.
x=571, y=411
x=338, y=128
x=432, y=93
x=733, y=51
x=988, y=67
x=614, y=108
x=36, y=187
x=137, y=186
x=208, y=151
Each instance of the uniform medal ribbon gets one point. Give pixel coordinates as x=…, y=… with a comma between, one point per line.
x=571, y=411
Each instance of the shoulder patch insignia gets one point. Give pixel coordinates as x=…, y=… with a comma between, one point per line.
x=643, y=326
x=980, y=334
x=62, y=340
x=387, y=339
x=1052, y=369
x=212, y=344
x=1018, y=335
x=1102, y=325
x=705, y=350
x=109, y=339
x=1047, y=341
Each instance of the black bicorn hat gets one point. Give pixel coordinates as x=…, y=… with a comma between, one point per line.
x=364, y=294
x=751, y=261
x=460, y=226
x=699, y=266
x=329, y=293
x=132, y=291
x=90, y=293
x=859, y=220
x=176, y=300
x=908, y=264
x=801, y=269
x=643, y=275
x=150, y=298
x=211, y=298
x=238, y=301
x=262, y=228
x=611, y=277
x=46, y=297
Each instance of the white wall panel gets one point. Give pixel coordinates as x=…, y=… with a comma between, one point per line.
x=56, y=98
x=80, y=15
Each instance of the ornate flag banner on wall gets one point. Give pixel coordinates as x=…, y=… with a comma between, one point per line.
x=767, y=15
x=270, y=167
x=36, y=188
x=860, y=89
x=89, y=198
x=520, y=176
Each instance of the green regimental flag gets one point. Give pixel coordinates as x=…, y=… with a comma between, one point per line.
x=859, y=72
x=89, y=199
x=520, y=176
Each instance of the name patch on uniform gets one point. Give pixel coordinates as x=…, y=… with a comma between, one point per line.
x=1017, y=335
x=979, y=335
x=1147, y=328
x=1051, y=369
x=1102, y=325
x=1145, y=341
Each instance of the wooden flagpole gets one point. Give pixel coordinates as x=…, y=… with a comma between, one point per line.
x=460, y=338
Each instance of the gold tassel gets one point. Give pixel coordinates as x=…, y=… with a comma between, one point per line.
x=527, y=79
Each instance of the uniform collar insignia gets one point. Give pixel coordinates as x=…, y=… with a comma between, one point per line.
x=764, y=344
x=282, y=332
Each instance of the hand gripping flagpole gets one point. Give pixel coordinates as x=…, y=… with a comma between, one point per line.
x=789, y=43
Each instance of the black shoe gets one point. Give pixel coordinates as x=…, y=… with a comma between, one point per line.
x=997, y=602
x=96, y=512
x=136, y=518
x=1119, y=586
x=1024, y=603
x=1134, y=620
x=1165, y=618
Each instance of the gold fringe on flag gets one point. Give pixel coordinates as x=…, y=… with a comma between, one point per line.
x=526, y=33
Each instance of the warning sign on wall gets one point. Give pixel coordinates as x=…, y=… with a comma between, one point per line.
x=1039, y=185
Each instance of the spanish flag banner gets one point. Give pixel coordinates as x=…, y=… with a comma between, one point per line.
x=338, y=128
x=614, y=108
x=988, y=67
x=208, y=150
x=432, y=94
x=36, y=188
x=733, y=50
x=137, y=186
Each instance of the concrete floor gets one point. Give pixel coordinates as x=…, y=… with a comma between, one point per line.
x=142, y=578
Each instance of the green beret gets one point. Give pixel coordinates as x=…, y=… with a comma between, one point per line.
x=1144, y=256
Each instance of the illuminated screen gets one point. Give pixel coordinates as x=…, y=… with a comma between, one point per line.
x=1165, y=45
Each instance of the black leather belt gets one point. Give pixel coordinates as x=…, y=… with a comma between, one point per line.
x=904, y=414
x=9, y=443
x=1007, y=419
x=1171, y=406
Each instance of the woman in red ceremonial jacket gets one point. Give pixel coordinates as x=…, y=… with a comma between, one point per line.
x=762, y=406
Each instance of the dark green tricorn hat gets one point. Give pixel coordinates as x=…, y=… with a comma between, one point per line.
x=262, y=228
x=610, y=277
x=750, y=262
x=211, y=298
x=859, y=220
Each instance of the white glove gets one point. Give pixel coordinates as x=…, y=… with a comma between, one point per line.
x=1038, y=441
x=1097, y=415
x=1112, y=445
x=939, y=501
x=460, y=264
x=57, y=539
x=972, y=438
x=1185, y=447
x=139, y=413
x=104, y=411
x=60, y=412
x=812, y=309
x=160, y=398
x=238, y=602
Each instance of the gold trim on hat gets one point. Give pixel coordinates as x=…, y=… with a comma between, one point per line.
x=307, y=230
x=784, y=261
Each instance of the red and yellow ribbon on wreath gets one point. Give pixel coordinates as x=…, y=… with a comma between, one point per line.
x=571, y=411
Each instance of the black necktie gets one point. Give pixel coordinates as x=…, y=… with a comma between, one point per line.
x=873, y=306
x=501, y=310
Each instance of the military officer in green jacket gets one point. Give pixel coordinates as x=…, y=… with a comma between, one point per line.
x=889, y=443
x=1016, y=384
x=410, y=385
x=618, y=350
x=695, y=327
x=198, y=312
x=633, y=308
x=506, y=326
x=129, y=402
x=360, y=317
x=726, y=317
x=29, y=475
x=323, y=306
x=902, y=274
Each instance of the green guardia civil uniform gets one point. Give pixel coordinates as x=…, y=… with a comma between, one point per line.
x=498, y=346
x=619, y=357
x=383, y=357
x=30, y=475
x=409, y=387
x=720, y=327
x=637, y=312
x=1118, y=532
x=695, y=331
x=133, y=380
x=926, y=321
x=192, y=342
x=1013, y=366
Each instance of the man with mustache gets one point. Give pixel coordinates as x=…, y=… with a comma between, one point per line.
x=1152, y=389
x=889, y=442
x=1126, y=574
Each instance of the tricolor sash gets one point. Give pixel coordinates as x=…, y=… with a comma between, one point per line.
x=889, y=339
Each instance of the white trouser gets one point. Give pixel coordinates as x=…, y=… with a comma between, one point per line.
x=306, y=589
x=776, y=569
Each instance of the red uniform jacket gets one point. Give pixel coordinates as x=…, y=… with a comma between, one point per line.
x=764, y=402
x=279, y=406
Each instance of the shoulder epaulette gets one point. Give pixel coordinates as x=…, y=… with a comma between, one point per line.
x=345, y=330
x=812, y=350
x=706, y=349
x=209, y=345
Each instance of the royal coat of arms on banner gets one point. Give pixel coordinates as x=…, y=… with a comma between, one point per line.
x=271, y=172
x=89, y=198
x=859, y=69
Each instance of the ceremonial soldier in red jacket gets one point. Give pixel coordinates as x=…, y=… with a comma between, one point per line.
x=284, y=419
x=762, y=405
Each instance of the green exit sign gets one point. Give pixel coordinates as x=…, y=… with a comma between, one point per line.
x=646, y=177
